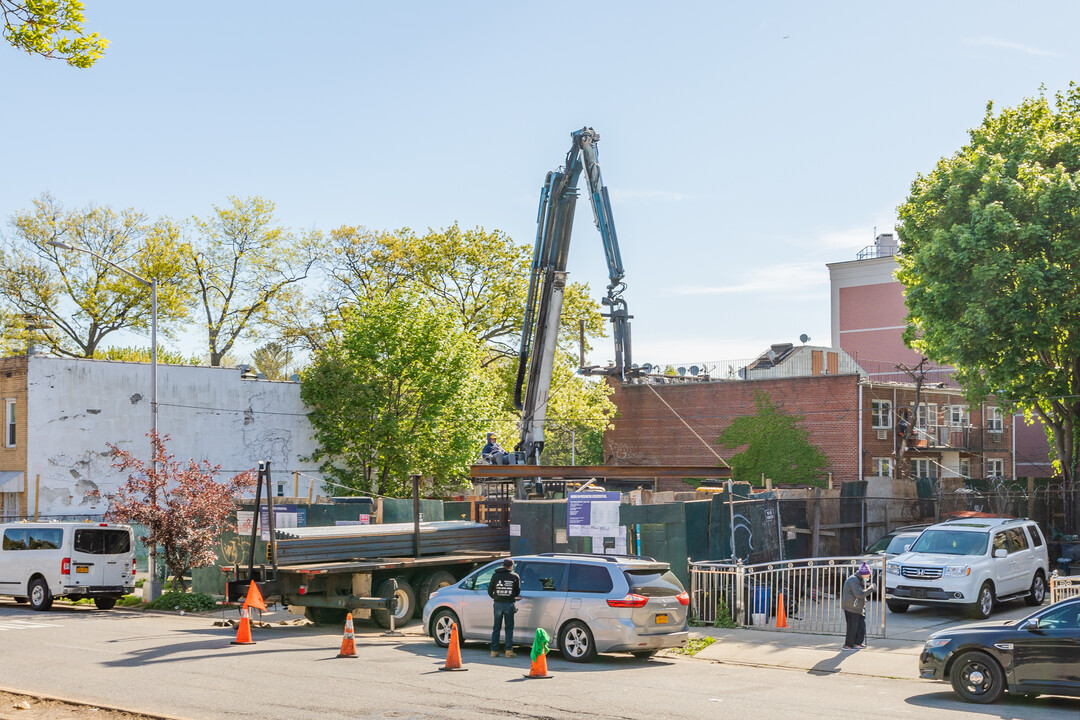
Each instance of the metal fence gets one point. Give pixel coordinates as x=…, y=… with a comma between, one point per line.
x=1063, y=588
x=808, y=590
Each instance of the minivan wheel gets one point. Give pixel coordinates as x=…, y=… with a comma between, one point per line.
x=984, y=602
x=644, y=654
x=977, y=678
x=22, y=600
x=105, y=603
x=1038, y=590
x=576, y=642
x=40, y=597
x=442, y=623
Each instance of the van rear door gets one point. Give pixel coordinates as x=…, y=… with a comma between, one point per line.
x=87, y=562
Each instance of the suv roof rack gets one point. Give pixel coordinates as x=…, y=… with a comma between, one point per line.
x=598, y=556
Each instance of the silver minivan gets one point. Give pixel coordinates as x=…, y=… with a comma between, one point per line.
x=43, y=561
x=586, y=603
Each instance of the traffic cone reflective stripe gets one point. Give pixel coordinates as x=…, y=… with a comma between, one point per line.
x=348, y=644
x=243, y=631
x=453, y=651
x=781, y=613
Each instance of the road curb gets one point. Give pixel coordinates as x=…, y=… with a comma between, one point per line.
x=83, y=703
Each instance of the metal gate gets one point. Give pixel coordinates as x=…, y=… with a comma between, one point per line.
x=810, y=591
x=1062, y=588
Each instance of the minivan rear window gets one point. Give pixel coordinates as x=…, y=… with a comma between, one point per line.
x=653, y=583
x=102, y=542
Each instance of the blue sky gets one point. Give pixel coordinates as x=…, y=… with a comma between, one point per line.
x=745, y=145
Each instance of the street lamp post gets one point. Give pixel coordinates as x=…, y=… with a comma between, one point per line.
x=152, y=588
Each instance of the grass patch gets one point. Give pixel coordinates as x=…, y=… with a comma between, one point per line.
x=188, y=602
x=695, y=645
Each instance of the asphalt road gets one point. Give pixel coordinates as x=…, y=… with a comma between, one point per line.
x=184, y=666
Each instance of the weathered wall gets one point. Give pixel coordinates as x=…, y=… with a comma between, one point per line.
x=77, y=407
x=647, y=432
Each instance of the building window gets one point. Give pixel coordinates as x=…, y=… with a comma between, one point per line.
x=995, y=468
x=965, y=468
x=9, y=423
x=995, y=422
x=882, y=467
x=958, y=416
x=927, y=416
x=923, y=468
x=880, y=414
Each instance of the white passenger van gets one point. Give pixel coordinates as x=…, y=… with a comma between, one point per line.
x=42, y=561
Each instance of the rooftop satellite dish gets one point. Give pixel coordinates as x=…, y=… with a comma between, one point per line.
x=682, y=371
x=294, y=377
x=647, y=367
x=803, y=338
x=243, y=368
x=694, y=370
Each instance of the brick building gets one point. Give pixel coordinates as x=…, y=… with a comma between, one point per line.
x=852, y=418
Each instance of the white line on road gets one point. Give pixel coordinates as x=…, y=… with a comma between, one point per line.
x=91, y=649
x=22, y=625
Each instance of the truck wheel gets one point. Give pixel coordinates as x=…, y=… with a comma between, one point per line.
x=431, y=583
x=105, y=603
x=40, y=597
x=1038, y=590
x=406, y=603
x=325, y=616
x=984, y=603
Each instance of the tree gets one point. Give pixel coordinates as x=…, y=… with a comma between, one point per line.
x=776, y=446
x=273, y=360
x=52, y=29
x=991, y=266
x=400, y=393
x=182, y=506
x=247, y=271
x=74, y=300
x=142, y=354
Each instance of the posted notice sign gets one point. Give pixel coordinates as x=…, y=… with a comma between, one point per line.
x=592, y=514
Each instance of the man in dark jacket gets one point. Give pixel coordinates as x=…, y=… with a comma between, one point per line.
x=853, y=601
x=492, y=452
x=504, y=589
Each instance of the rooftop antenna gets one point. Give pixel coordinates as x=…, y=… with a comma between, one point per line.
x=803, y=338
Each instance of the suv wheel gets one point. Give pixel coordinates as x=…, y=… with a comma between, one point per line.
x=897, y=607
x=40, y=597
x=1038, y=590
x=576, y=642
x=984, y=602
x=976, y=677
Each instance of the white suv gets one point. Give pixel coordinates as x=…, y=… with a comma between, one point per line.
x=972, y=562
x=42, y=561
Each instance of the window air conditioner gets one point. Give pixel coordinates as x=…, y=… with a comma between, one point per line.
x=882, y=434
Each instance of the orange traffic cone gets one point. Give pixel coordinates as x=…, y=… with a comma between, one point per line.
x=453, y=652
x=781, y=613
x=243, y=631
x=348, y=644
x=538, y=671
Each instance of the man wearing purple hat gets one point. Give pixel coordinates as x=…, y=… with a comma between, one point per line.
x=853, y=600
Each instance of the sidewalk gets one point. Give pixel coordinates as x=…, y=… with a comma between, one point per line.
x=812, y=653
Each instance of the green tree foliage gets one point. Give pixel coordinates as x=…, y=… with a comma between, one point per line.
x=142, y=354
x=775, y=444
x=247, y=271
x=52, y=29
x=401, y=392
x=990, y=262
x=273, y=360
x=75, y=300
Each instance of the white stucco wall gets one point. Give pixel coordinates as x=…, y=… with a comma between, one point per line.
x=77, y=407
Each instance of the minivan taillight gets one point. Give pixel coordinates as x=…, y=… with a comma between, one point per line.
x=65, y=566
x=632, y=600
x=683, y=598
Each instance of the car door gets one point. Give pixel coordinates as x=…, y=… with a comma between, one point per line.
x=1046, y=655
x=1002, y=569
x=543, y=595
x=88, y=557
x=474, y=609
x=1020, y=556
x=13, y=576
x=117, y=557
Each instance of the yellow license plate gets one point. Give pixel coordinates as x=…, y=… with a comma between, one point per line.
x=82, y=569
x=661, y=619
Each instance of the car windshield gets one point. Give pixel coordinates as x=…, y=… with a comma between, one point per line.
x=951, y=542
x=880, y=545
x=897, y=545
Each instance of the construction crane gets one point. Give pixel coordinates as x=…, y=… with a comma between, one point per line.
x=543, y=309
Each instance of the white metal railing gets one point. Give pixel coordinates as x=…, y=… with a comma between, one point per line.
x=811, y=589
x=1062, y=588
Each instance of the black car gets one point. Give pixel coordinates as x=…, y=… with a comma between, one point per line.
x=1039, y=655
